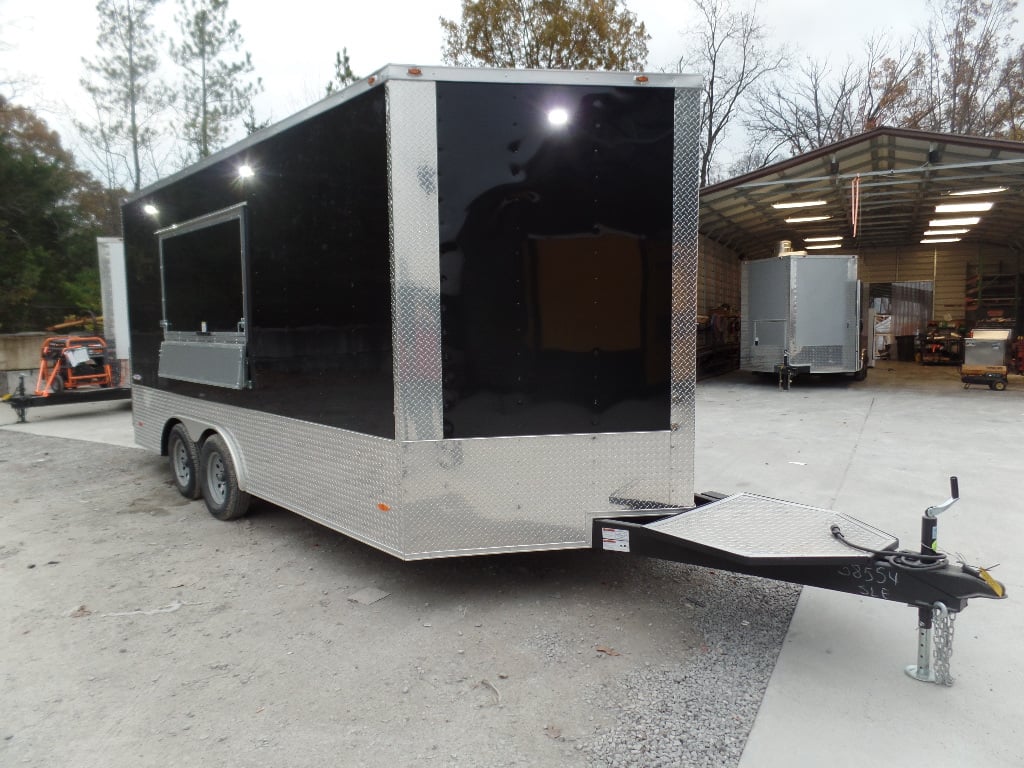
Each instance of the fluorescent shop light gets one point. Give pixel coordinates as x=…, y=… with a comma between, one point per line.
x=966, y=221
x=802, y=219
x=986, y=191
x=964, y=207
x=804, y=204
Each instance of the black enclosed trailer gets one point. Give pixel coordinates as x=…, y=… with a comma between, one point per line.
x=447, y=312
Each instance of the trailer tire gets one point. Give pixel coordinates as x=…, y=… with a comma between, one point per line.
x=183, y=458
x=218, y=480
x=999, y=386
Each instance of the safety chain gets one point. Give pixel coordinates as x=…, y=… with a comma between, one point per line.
x=942, y=634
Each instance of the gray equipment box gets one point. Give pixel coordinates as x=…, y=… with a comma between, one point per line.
x=987, y=348
x=443, y=311
x=804, y=310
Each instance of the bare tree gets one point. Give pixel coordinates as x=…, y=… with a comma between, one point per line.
x=733, y=55
x=968, y=50
x=814, y=105
x=805, y=109
x=1011, y=105
x=886, y=94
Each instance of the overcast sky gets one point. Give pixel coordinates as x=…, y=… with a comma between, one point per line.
x=293, y=46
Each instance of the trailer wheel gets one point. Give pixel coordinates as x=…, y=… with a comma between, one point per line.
x=999, y=386
x=219, y=481
x=183, y=456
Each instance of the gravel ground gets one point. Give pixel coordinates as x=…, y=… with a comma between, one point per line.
x=141, y=632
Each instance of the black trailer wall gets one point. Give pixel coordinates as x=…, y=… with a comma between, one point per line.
x=555, y=258
x=317, y=275
x=555, y=249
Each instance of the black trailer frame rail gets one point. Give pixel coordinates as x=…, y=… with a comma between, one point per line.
x=21, y=402
x=780, y=540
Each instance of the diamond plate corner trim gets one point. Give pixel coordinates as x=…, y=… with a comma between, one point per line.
x=330, y=475
x=685, y=207
x=415, y=273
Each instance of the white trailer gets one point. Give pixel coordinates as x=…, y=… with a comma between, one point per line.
x=802, y=315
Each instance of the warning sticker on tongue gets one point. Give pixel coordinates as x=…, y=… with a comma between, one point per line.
x=615, y=539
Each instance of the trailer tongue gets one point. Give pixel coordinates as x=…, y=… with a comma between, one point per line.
x=759, y=536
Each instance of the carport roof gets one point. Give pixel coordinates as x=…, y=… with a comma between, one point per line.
x=902, y=175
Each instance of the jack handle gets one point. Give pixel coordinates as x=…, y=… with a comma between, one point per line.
x=954, y=496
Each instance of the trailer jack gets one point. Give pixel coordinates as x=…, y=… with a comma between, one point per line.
x=785, y=541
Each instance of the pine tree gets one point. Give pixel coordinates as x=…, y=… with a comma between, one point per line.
x=343, y=75
x=216, y=91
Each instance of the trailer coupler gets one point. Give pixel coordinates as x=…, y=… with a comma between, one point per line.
x=784, y=541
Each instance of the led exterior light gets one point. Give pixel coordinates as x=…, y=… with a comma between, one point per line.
x=558, y=116
x=823, y=239
x=943, y=232
x=802, y=219
x=150, y=209
x=966, y=221
x=941, y=240
x=986, y=191
x=823, y=247
x=805, y=204
x=245, y=172
x=964, y=208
